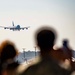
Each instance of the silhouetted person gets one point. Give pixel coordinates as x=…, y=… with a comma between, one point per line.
x=67, y=52
x=66, y=49
x=45, y=40
x=8, y=53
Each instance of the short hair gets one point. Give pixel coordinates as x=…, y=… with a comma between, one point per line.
x=8, y=50
x=45, y=37
x=65, y=41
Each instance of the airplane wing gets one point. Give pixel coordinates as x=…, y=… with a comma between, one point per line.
x=5, y=27
x=25, y=27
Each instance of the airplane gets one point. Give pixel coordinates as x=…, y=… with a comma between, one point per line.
x=14, y=28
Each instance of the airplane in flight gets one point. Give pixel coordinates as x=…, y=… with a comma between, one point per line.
x=14, y=28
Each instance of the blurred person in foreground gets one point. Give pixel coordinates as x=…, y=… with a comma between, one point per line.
x=45, y=39
x=67, y=53
x=66, y=49
x=8, y=54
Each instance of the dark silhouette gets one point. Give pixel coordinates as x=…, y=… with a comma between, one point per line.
x=45, y=39
x=66, y=49
x=63, y=53
x=8, y=53
x=67, y=52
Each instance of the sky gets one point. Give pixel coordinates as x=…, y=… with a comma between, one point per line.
x=59, y=14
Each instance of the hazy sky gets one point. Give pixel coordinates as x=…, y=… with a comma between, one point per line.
x=59, y=14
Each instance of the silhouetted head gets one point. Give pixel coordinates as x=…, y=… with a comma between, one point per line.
x=65, y=42
x=8, y=50
x=45, y=38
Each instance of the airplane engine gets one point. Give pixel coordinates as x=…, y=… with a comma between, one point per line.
x=22, y=28
x=26, y=28
x=4, y=27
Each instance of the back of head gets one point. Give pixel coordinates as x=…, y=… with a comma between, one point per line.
x=65, y=42
x=45, y=37
x=8, y=50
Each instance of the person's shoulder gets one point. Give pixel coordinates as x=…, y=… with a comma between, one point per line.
x=12, y=65
x=30, y=70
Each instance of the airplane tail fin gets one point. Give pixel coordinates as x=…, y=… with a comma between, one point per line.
x=12, y=23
